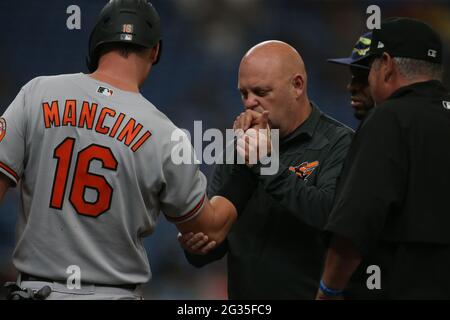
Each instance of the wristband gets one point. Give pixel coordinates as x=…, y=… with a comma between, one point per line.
x=330, y=292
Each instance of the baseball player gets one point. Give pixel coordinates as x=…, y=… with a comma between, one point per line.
x=92, y=159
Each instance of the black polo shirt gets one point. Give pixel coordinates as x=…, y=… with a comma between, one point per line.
x=393, y=201
x=275, y=249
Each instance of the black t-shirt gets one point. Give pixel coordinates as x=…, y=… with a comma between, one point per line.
x=393, y=198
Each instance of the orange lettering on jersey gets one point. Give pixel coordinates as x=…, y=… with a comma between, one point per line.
x=117, y=125
x=70, y=113
x=141, y=141
x=87, y=115
x=130, y=132
x=99, y=127
x=51, y=114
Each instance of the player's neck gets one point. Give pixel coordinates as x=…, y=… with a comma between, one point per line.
x=125, y=73
x=116, y=80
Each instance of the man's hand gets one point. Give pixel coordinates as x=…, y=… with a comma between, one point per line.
x=196, y=243
x=253, y=132
x=252, y=119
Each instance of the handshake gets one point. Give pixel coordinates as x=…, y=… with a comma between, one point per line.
x=254, y=140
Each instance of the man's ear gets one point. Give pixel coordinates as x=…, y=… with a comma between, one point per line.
x=298, y=83
x=387, y=63
x=155, y=53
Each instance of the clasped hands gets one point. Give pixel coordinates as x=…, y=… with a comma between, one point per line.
x=253, y=136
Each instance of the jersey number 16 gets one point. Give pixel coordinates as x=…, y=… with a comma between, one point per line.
x=82, y=178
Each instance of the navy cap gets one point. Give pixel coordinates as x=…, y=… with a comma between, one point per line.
x=406, y=38
x=360, y=51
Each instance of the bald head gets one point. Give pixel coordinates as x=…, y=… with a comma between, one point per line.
x=272, y=77
x=278, y=56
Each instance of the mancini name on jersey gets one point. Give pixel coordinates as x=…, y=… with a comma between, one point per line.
x=125, y=129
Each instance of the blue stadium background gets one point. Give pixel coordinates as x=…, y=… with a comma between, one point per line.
x=196, y=79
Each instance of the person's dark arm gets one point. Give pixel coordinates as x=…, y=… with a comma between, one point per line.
x=215, y=254
x=341, y=262
x=310, y=203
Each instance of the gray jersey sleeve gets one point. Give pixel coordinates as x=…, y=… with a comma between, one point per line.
x=184, y=188
x=12, y=138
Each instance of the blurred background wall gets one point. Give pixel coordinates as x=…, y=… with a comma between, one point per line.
x=196, y=79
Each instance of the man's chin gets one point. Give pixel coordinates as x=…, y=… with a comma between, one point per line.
x=360, y=114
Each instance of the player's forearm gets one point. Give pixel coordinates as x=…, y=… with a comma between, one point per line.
x=231, y=200
x=219, y=214
x=341, y=262
x=224, y=216
x=214, y=220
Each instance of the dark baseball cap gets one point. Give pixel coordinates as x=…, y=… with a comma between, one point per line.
x=406, y=38
x=359, y=52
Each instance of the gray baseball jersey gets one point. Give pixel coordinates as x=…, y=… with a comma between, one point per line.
x=95, y=169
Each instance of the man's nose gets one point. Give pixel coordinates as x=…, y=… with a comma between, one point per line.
x=349, y=87
x=352, y=86
x=251, y=102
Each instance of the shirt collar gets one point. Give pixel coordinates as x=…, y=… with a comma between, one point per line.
x=307, y=128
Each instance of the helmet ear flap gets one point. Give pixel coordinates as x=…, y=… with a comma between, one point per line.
x=90, y=57
x=90, y=65
x=92, y=61
x=159, y=52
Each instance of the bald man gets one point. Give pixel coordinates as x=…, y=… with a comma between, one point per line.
x=274, y=250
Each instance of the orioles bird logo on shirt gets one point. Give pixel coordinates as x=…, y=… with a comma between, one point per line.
x=2, y=128
x=305, y=169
